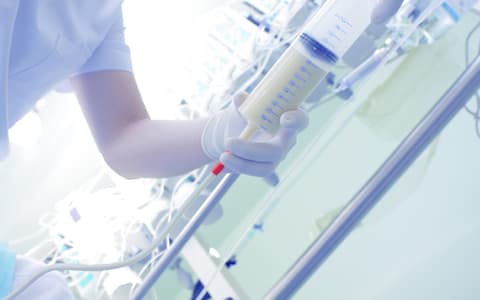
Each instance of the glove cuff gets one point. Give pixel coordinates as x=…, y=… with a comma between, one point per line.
x=224, y=124
x=213, y=136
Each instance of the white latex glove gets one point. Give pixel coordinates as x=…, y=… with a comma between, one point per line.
x=258, y=156
x=384, y=10
x=51, y=286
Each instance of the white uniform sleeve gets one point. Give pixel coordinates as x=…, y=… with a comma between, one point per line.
x=51, y=286
x=112, y=54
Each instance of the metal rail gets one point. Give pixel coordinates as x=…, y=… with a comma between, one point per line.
x=385, y=177
x=185, y=234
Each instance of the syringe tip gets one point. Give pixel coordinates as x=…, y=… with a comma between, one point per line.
x=218, y=168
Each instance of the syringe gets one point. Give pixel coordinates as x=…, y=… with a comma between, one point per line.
x=304, y=64
x=327, y=37
x=311, y=56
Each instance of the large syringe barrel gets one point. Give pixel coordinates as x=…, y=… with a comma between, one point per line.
x=339, y=24
x=326, y=38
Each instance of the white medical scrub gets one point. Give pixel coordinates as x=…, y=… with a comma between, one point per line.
x=45, y=42
x=42, y=43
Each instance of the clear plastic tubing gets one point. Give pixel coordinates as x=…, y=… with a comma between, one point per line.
x=305, y=63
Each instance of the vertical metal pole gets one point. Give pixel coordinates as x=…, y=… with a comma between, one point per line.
x=385, y=177
x=186, y=233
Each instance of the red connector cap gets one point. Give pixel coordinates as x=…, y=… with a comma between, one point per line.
x=218, y=168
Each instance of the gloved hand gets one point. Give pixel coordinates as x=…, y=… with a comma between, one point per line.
x=384, y=10
x=258, y=156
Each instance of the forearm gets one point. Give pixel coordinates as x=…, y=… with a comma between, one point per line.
x=156, y=148
x=132, y=144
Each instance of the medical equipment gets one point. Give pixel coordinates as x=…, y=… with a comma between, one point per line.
x=344, y=88
x=430, y=29
x=447, y=15
x=254, y=113
x=328, y=36
x=384, y=11
x=325, y=39
x=146, y=252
